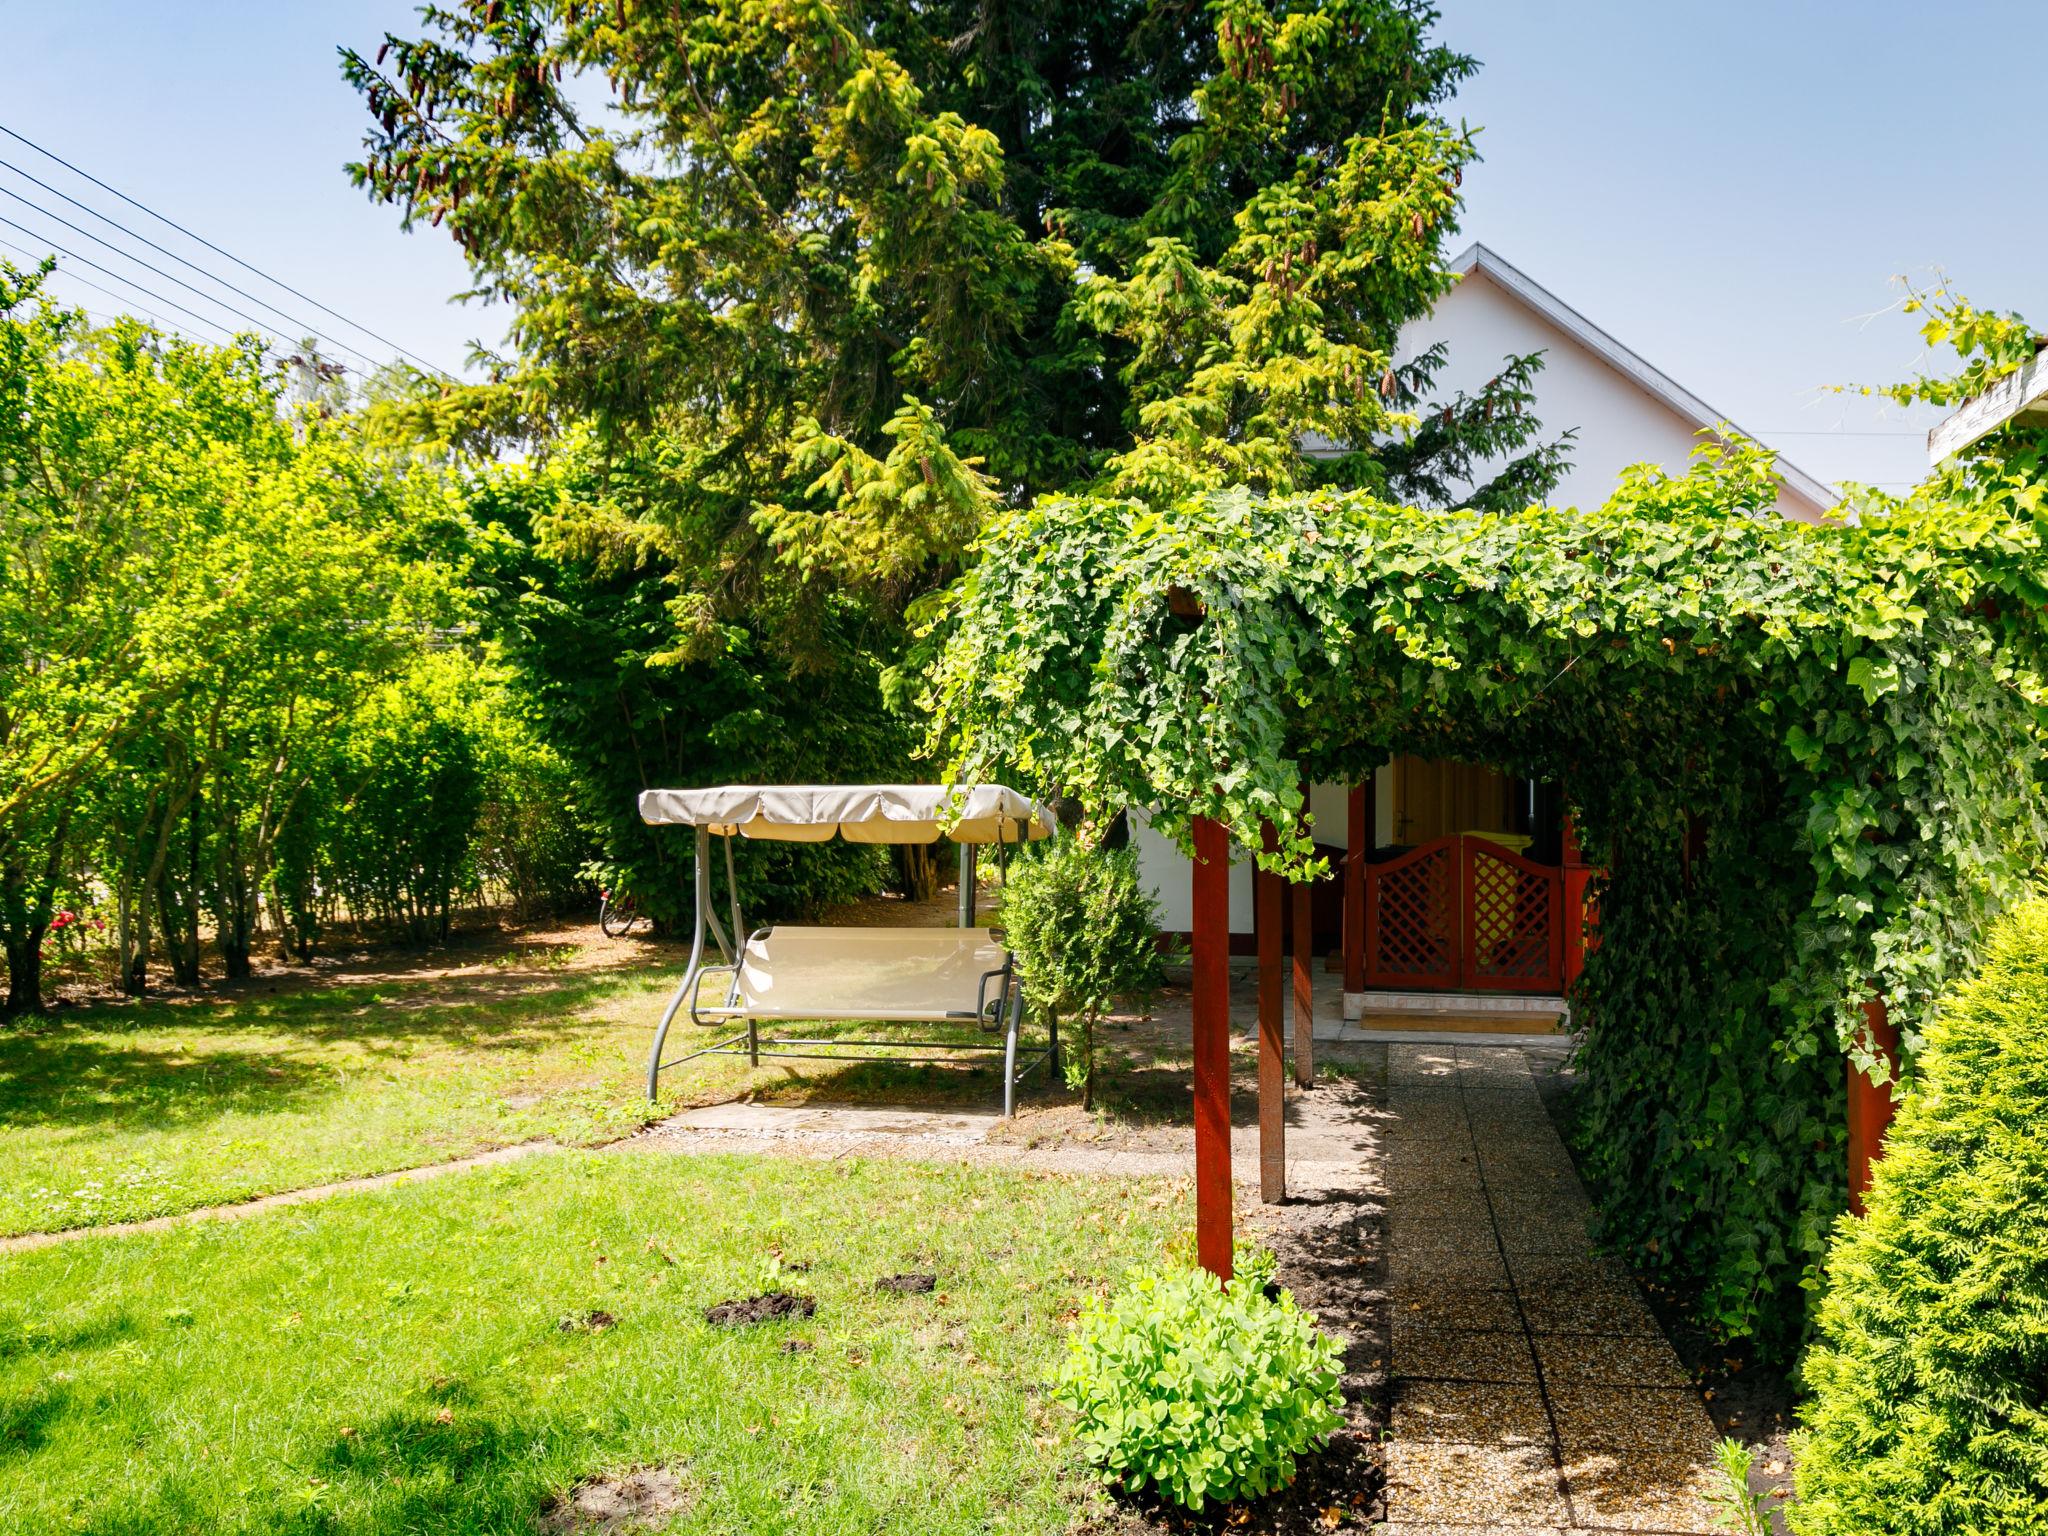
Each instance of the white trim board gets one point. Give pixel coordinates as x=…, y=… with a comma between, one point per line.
x=2021, y=396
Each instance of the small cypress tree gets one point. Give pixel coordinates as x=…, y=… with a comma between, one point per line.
x=1085, y=931
x=1930, y=1380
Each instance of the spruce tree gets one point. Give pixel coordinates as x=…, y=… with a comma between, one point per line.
x=829, y=281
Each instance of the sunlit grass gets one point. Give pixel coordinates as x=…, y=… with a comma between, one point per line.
x=394, y=1362
x=116, y=1113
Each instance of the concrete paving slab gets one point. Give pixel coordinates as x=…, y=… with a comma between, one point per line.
x=1434, y=1481
x=953, y=1126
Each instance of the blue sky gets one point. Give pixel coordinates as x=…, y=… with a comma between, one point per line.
x=1727, y=187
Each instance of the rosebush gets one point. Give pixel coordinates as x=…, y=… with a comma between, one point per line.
x=1200, y=1389
x=1929, y=1410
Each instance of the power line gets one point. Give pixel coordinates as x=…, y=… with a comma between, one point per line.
x=229, y=255
x=121, y=277
x=120, y=298
x=211, y=277
x=172, y=277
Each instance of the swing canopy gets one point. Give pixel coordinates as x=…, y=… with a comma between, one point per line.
x=860, y=813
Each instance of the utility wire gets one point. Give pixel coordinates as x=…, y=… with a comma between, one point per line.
x=229, y=255
x=290, y=319
x=121, y=277
x=171, y=277
x=119, y=298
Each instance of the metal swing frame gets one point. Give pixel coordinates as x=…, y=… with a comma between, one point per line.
x=1005, y=1010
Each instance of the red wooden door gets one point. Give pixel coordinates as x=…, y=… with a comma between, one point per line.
x=1513, y=911
x=1412, y=918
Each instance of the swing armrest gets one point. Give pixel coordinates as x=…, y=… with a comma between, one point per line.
x=1007, y=971
x=697, y=991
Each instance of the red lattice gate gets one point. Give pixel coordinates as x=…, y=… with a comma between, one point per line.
x=1464, y=912
x=1411, y=917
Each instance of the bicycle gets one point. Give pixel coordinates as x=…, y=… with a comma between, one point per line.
x=616, y=915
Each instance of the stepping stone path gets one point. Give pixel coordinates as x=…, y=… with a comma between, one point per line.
x=1533, y=1391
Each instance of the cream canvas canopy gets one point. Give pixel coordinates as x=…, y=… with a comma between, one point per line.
x=860, y=813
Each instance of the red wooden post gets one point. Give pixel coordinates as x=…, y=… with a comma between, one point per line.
x=1211, y=955
x=1576, y=877
x=1357, y=833
x=1304, y=984
x=1870, y=1107
x=1268, y=915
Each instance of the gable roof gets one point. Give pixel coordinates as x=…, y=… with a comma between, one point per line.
x=1659, y=385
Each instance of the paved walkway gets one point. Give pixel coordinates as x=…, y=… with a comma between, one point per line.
x=1532, y=1389
x=1328, y=1140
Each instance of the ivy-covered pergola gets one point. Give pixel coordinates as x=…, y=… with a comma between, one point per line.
x=1805, y=757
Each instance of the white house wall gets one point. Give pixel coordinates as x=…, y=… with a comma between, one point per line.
x=1619, y=422
x=1169, y=875
x=1329, y=815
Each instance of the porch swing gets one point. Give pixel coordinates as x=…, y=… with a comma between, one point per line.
x=788, y=972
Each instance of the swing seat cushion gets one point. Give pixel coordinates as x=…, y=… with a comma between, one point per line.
x=908, y=974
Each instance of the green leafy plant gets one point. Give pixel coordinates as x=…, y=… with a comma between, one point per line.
x=1085, y=932
x=1844, y=712
x=1253, y=1264
x=1199, y=1389
x=1929, y=1406
x=1741, y=1510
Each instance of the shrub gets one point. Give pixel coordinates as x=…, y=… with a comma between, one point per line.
x=1929, y=1410
x=1203, y=1390
x=1086, y=934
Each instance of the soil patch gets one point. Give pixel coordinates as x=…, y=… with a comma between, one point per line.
x=760, y=1309
x=631, y=1501
x=587, y=1322
x=908, y=1285
x=1337, y=1489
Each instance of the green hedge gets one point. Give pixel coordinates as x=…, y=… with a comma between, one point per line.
x=1930, y=1377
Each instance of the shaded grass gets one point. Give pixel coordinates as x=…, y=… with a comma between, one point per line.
x=394, y=1362
x=122, y=1112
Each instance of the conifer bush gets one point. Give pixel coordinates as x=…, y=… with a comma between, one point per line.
x=1929, y=1410
x=1085, y=931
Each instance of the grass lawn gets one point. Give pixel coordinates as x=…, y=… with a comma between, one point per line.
x=395, y=1361
x=115, y=1113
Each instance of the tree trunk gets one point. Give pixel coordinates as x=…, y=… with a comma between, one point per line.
x=917, y=871
x=178, y=906
x=25, y=971
x=230, y=886
x=135, y=967
x=27, y=900
x=235, y=926
x=178, y=921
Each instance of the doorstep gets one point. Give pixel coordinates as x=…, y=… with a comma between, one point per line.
x=1376, y=1013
